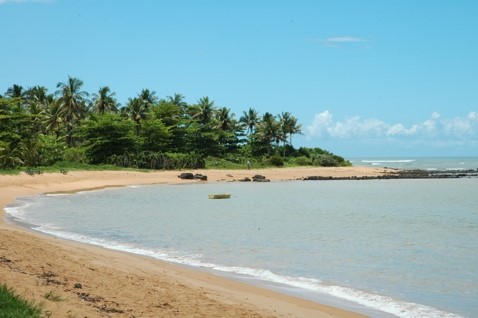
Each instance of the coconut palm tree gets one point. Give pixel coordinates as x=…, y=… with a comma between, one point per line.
x=250, y=119
x=269, y=131
x=289, y=125
x=52, y=118
x=178, y=100
x=16, y=91
x=72, y=102
x=104, y=101
x=224, y=119
x=36, y=101
x=9, y=157
x=147, y=98
x=204, y=110
x=136, y=110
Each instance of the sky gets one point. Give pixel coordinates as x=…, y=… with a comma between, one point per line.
x=365, y=78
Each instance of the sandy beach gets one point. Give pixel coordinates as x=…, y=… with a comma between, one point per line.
x=95, y=282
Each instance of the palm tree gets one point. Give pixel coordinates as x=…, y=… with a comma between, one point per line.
x=52, y=118
x=227, y=127
x=136, y=110
x=147, y=98
x=16, y=91
x=104, y=101
x=289, y=125
x=37, y=100
x=178, y=100
x=224, y=119
x=73, y=103
x=9, y=157
x=204, y=110
x=36, y=94
x=250, y=119
x=269, y=131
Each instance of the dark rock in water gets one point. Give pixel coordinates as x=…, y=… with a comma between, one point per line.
x=260, y=178
x=200, y=177
x=186, y=175
x=246, y=179
x=407, y=174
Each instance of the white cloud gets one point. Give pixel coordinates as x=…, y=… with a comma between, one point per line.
x=323, y=126
x=344, y=39
x=337, y=41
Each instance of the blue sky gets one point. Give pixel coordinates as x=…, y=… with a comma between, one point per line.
x=364, y=78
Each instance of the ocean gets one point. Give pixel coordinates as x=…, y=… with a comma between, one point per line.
x=425, y=163
x=386, y=248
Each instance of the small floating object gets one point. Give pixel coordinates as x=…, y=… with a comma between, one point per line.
x=220, y=196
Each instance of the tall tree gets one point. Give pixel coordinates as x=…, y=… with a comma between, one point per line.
x=16, y=91
x=107, y=135
x=104, y=101
x=289, y=127
x=250, y=119
x=136, y=110
x=52, y=118
x=269, y=132
x=72, y=102
x=148, y=98
x=37, y=100
x=227, y=128
x=178, y=100
x=203, y=111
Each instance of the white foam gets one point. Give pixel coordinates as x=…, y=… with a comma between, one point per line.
x=389, y=161
x=17, y=210
x=310, y=285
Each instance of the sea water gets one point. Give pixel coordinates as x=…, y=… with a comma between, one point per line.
x=426, y=163
x=387, y=248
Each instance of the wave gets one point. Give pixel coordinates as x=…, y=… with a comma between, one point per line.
x=389, y=161
x=314, y=286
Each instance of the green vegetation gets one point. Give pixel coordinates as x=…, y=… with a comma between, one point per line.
x=52, y=296
x=41, y=131
x=14, y=306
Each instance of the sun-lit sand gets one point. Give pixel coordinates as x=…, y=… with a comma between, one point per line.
x=96, y=282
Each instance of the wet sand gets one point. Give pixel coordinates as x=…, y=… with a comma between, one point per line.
x=92, y=281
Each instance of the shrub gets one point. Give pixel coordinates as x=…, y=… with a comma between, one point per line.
x=301, y=161
x=276, y=160
x=326, y=161
x=75, y=155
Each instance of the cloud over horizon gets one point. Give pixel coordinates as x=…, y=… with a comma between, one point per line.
x=457, y=129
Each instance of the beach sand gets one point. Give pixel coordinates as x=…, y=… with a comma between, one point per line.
x=92, y=281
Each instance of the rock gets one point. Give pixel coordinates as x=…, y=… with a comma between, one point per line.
x=186, y=175
x=260, y=178
x=200, y=177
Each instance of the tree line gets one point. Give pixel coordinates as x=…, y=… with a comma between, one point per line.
x=38, y=128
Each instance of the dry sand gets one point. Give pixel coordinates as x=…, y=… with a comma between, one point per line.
x=97, y=282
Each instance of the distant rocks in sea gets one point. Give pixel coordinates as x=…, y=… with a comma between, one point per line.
x=406, y=174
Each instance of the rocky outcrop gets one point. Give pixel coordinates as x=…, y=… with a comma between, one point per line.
x=407, y=174
x=260, y=178
x=190, y=176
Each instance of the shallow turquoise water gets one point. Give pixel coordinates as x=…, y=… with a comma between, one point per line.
x=404, y=247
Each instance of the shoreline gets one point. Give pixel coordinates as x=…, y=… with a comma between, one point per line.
x=98, y=282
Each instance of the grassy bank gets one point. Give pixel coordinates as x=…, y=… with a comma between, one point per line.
x=14, y=306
